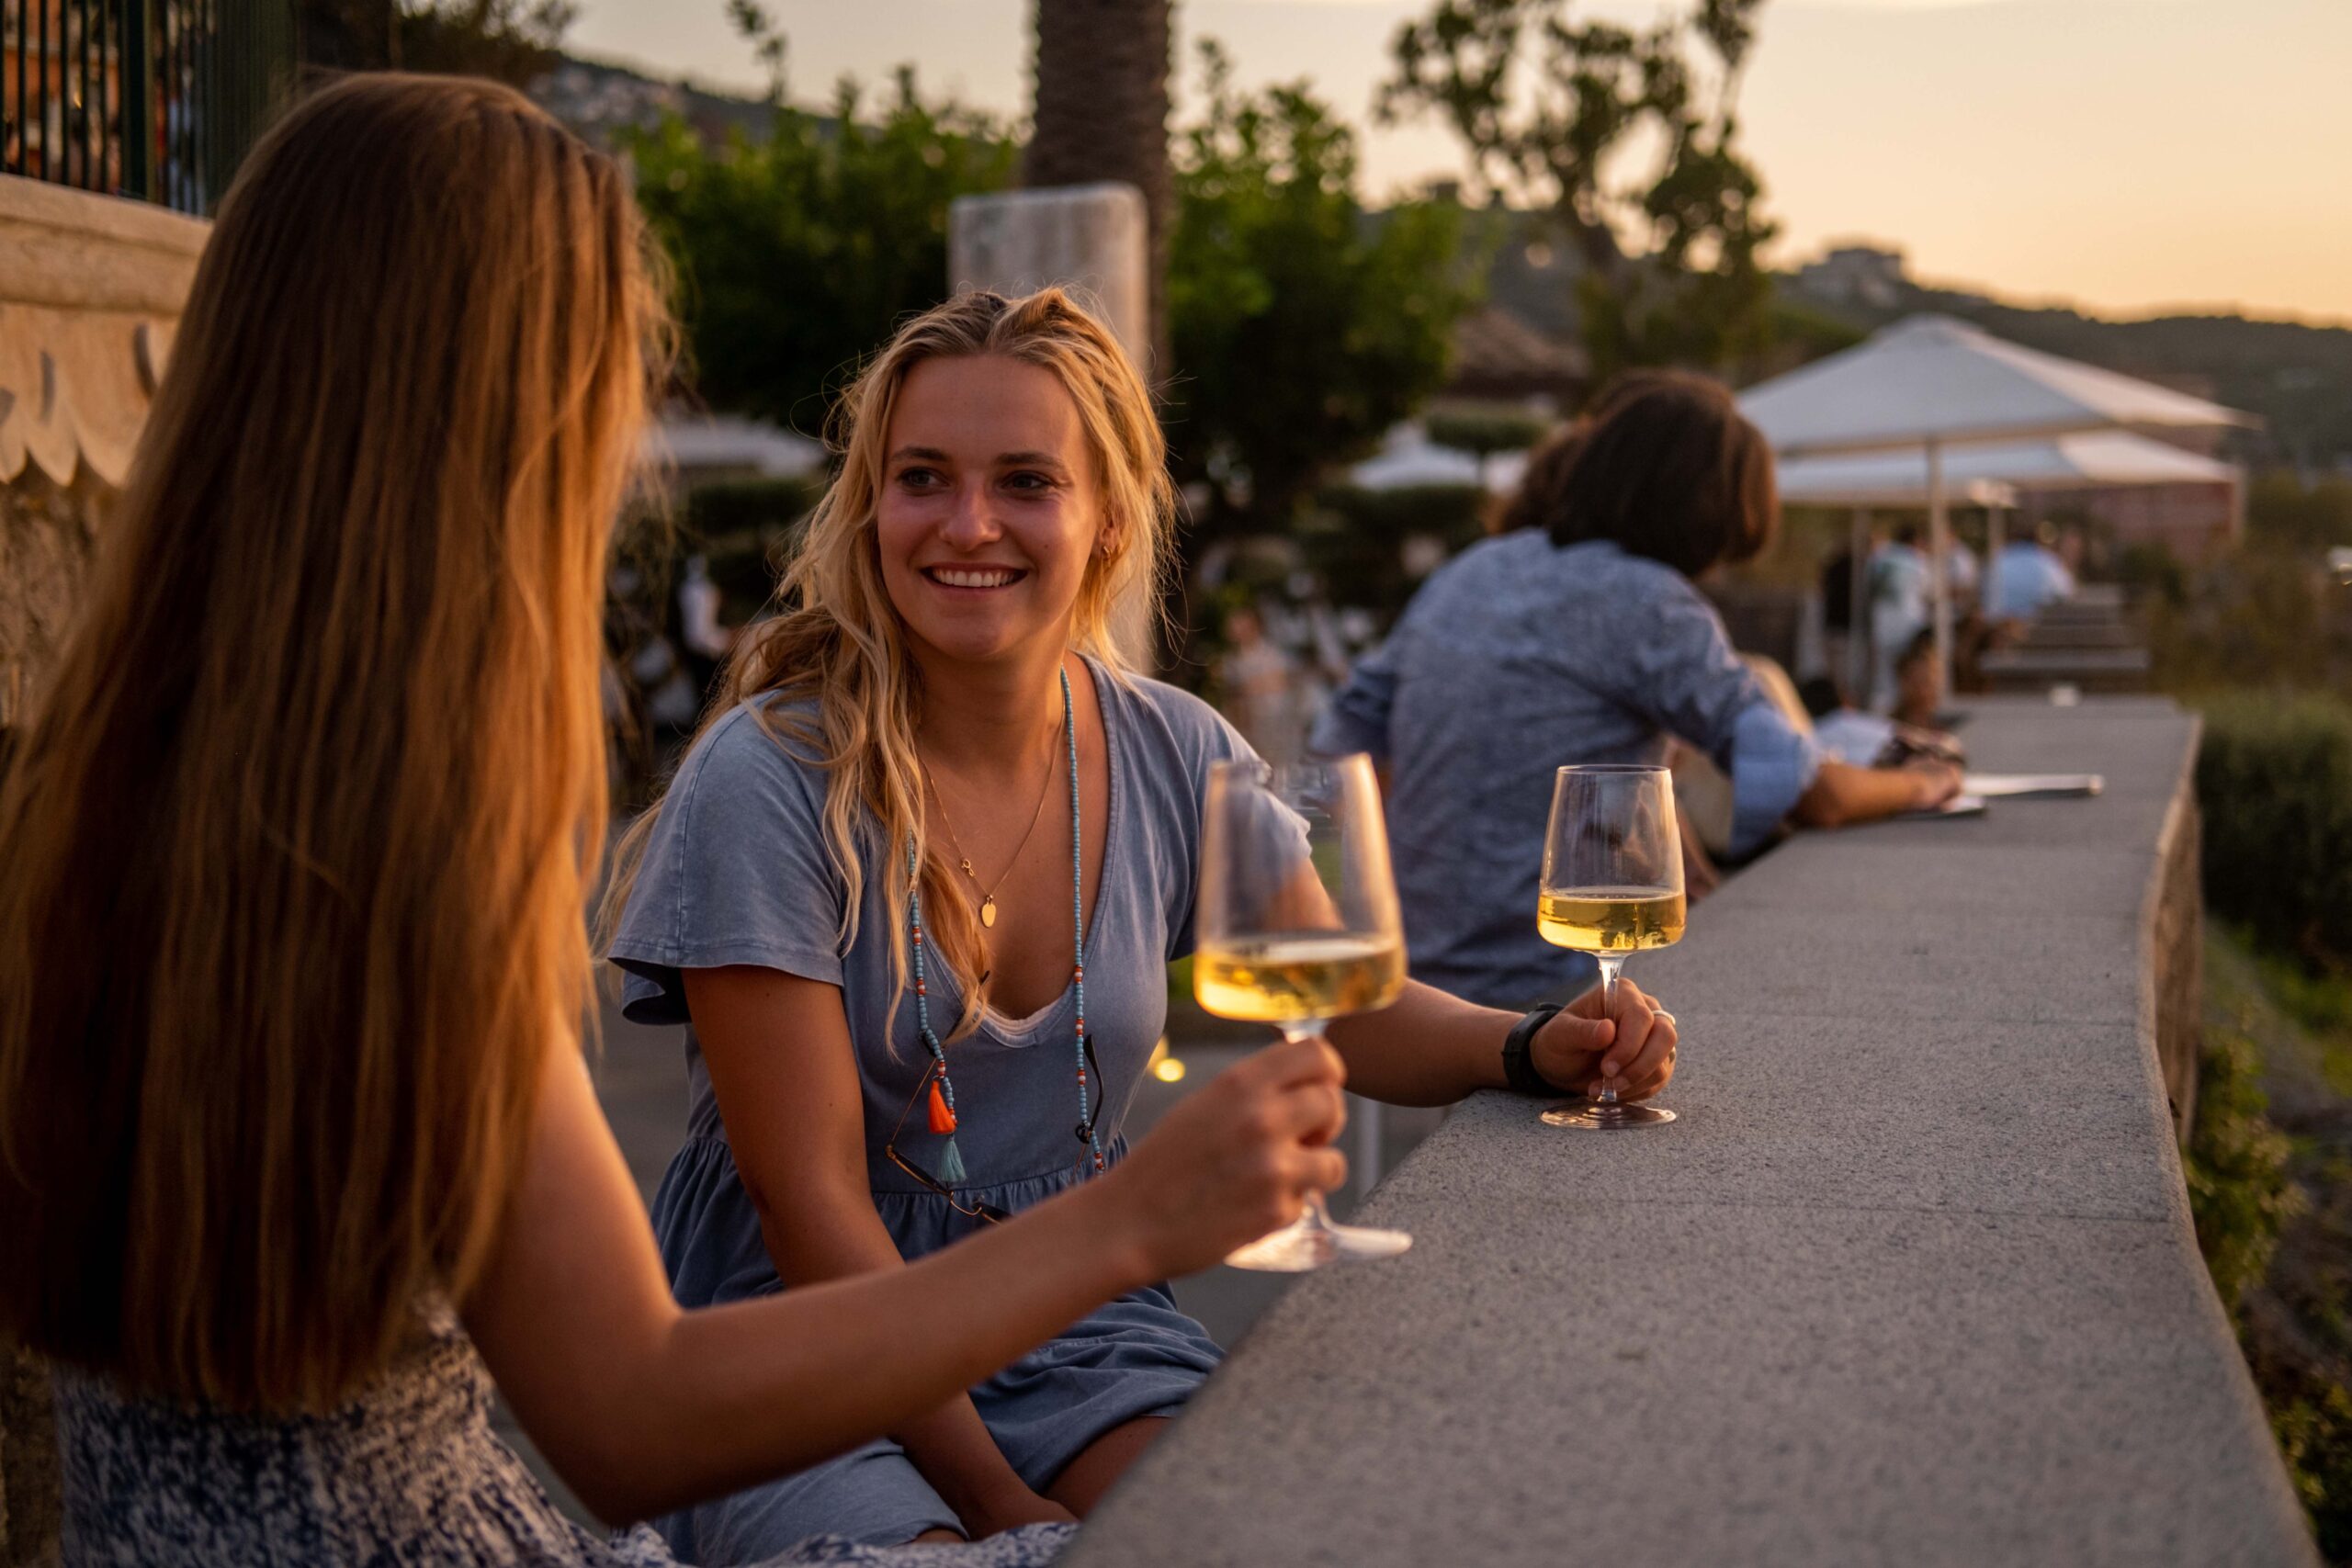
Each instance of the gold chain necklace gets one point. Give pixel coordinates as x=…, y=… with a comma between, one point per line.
x=987, y=897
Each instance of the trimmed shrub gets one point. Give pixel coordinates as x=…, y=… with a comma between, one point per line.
x=2238, y=1187
x=2274, y=781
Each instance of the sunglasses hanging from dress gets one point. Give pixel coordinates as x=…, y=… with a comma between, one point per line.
x=942, y=1107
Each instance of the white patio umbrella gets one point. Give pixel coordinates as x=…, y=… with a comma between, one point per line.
x=1933, y=383
x=690, y=442
x=1408, y=459
x=1989, y=476
x=2088, y=460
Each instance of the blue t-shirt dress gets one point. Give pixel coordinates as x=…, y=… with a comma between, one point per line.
x=736, y=873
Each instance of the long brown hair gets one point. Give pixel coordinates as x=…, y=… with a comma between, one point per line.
x=295, y=848
x=1664, y=464
x=837, y=644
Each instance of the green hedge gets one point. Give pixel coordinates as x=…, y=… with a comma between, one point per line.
x=2274, y=781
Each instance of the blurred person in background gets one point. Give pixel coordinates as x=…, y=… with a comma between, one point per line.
x=1899, y=607
x=297, y=1143
x=1581, y=636
x=2031, y=575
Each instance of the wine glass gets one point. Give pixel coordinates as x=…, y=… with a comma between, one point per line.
x=1297, y=924
x=1613, y=886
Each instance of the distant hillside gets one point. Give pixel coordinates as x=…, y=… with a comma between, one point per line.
x=599, y=100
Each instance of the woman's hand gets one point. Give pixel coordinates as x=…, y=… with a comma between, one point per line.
x=1236, y=1160
x=1009, y=1509
x=1633, y=1045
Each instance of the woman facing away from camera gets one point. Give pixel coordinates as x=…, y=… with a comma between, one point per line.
x=298, y=1147
x=915, y=891
x=1578, y=635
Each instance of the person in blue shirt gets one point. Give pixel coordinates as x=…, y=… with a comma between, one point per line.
x=1579, y=635
x=2028, y=577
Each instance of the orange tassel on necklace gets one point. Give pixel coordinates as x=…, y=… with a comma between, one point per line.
x=942, y=1117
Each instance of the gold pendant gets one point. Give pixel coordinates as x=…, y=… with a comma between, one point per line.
x=988, y=911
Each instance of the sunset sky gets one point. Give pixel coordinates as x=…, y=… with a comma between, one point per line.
x=2127, y=156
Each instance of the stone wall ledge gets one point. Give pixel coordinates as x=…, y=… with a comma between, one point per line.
x=1913, y=1280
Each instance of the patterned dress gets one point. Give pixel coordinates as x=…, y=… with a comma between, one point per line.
x=409, y=1472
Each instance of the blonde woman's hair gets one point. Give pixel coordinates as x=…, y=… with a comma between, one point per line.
x=295, y=846
x=837, y=652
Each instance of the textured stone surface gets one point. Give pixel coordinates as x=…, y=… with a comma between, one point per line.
x=1912, y=1281
x=46, y=535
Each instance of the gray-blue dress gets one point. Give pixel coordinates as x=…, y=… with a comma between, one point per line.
x=1515, y=657
x=736, y=873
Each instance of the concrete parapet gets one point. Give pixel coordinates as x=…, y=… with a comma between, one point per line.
x=1912, y=1281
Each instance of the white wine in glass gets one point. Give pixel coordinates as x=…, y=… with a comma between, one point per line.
x=1297, y=924
x=1613, y=887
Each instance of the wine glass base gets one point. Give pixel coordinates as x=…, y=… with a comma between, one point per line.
x=1599, y=1116
x=1306, y=1243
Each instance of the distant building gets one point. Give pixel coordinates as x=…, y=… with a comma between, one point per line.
x=1857, y=275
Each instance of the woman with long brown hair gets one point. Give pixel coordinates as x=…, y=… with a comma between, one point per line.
x=294, y=1119
x=914, y=892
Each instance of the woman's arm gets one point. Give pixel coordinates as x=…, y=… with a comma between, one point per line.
x=642, y=1407
x=781, y=1062
x=1432, y=1048
x=1842, y=793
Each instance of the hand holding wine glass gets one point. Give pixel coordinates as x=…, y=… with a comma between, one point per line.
x=1612, y=887
x=1297, y=924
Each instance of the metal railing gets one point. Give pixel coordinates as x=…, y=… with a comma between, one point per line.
x=153, y=99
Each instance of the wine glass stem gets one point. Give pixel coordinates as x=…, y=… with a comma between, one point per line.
x=1609, y=969
x=1317, y=1217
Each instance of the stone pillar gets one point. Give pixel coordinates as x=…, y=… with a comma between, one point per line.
x=1091, y=239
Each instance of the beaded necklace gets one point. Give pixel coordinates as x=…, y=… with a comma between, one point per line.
x=942, y=1089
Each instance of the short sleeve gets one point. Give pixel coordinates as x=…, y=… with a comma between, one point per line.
x=1357, y=719
x=735, y=871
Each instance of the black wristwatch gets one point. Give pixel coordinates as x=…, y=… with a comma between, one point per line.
x=1519, y=1066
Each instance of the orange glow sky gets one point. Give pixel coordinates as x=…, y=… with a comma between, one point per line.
x=2124, y=155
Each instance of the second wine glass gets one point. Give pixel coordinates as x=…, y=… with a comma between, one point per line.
x=1612, y=887
x=1298, y=923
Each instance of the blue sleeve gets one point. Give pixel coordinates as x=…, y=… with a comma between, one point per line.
x=1772, y=764
x=1664, y=655
x=736, y=872
x=1357, y=719
x=1670, y=659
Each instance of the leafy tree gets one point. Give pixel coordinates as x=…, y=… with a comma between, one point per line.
x=513, y=40
x=2281, y=510
x=798, y=253
x=1302, y=328
x=1553, y=109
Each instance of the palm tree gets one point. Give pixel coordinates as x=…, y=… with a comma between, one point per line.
x=1102, y=113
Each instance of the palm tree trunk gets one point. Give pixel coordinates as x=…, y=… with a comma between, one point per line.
x=1102, y=114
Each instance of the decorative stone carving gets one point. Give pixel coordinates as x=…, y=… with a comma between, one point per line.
x=90, y=291
x=90, y=288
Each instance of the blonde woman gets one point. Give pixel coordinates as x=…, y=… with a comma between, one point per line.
x=295, y=1133
x=880, y=1062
